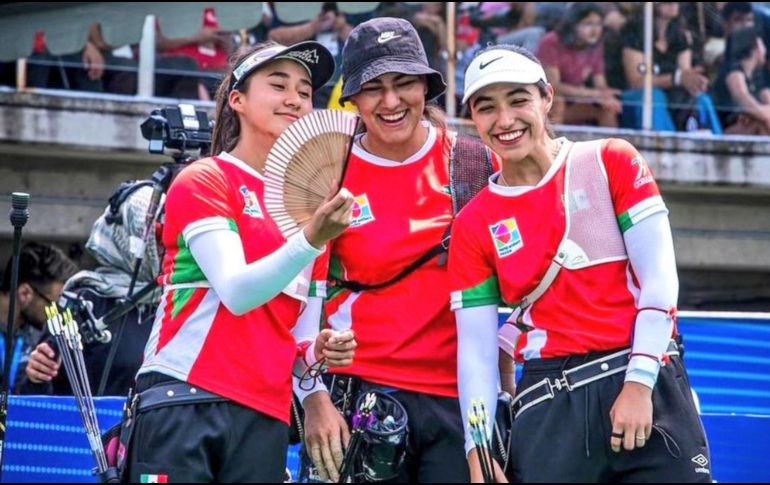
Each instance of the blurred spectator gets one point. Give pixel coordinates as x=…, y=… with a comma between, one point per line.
x=122, y=71
x=209, y=48
x=733, y=16
x=43, y=269
x=673, y=71
x=494, y=19
x=467, y=43
x=430, y=23
x=736, y=16
x=534, y=21
x=101, y=67
x=261, y=31
x=616, y=16
x=80, y=71
x=702, y=21
x=329, y=28
x=573, y=59
x=740, y=92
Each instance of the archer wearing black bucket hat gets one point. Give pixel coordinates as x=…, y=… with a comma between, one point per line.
x=384, y=45
x=392, y=288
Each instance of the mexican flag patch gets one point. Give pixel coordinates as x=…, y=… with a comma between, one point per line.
x=153, y=478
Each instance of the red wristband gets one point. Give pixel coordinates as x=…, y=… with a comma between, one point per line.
x=302, y=348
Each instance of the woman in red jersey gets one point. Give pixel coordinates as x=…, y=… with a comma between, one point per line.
x=399, y=175
x=575, y=237
x=215, y=385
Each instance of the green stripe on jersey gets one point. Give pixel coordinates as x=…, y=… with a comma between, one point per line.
x=335, y=272
x=317, y=289
x=232, y=224
x=640, y=211
x=485, y=293
x=186, y=270
x=179, y=299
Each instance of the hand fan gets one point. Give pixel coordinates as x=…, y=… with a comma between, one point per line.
x=307, y=159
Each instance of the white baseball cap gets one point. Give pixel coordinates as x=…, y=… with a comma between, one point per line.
x=500, y=66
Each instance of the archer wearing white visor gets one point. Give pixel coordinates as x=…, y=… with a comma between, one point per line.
x=576, y=239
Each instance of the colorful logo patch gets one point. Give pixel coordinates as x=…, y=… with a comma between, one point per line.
x=362, y=212
x=250, y=203
x=507, y=237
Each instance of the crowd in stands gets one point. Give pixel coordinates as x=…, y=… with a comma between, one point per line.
x=709, y=59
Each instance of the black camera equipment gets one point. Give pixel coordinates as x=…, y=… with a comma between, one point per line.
x=181, y=128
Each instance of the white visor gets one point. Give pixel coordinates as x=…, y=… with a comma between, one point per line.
x=500, y=66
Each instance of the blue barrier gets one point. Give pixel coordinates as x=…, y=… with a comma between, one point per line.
x=728, y=360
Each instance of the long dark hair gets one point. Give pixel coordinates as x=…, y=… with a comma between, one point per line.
x=576, y=12
x=227, y=126
x=741, y=44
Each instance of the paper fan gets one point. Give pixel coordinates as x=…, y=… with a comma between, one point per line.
x=307, y=159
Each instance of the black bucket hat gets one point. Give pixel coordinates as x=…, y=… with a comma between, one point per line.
x=384, y=45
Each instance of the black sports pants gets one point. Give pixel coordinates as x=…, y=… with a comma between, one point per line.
x=567, y=438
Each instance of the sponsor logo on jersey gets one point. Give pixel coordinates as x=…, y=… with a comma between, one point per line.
x=361, y=212
x=643, y=175
x=507, y=237
x=250, y=203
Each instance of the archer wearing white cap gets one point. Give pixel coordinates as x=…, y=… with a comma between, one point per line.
x=575, y=238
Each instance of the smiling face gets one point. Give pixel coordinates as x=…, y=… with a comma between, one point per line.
x=276, y=96
x=391, y=107
x=511, y=118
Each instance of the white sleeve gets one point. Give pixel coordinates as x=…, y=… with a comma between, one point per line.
x=243, y=287
x=650, y=248
x=307, y=328
x=478, y=375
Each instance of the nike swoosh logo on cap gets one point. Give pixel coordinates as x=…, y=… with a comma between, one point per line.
x=485, y=64
x=386, y=37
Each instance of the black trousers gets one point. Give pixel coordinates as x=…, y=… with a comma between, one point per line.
x=435, y=443
x=210, y=442
x=435, y=446
x=567, y=438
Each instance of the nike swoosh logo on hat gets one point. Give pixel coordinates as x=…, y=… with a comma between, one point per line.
x=484, y=65
x=387, y=37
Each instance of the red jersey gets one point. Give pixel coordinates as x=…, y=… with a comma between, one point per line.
x=505, y=239
x=246, y=358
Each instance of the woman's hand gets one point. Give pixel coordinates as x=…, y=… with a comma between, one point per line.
x=631, y=417
x=475, y=467
x=331, y=218
x=336, y=347
x=326, y=435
